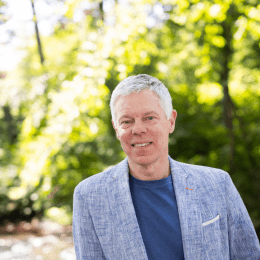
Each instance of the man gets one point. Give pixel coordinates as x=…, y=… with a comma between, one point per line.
x=151, y=207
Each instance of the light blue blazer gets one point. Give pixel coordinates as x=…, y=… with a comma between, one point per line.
x=214, y=221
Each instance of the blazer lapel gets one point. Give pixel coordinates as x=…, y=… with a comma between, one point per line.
x=124, y=216
x=189, y=210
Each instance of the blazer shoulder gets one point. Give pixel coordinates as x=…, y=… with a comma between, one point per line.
x=204, y=173
x=94, y=182
x=97, y=182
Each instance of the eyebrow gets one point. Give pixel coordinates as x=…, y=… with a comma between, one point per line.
x=145, y=114
x=151, y=112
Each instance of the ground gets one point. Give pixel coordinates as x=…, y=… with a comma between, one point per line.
x=45, y=240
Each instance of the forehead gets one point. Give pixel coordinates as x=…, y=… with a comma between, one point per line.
x=138, y=103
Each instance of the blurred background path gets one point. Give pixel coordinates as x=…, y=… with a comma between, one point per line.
x=45, y=240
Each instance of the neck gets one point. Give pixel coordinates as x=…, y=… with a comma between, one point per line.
x=150, y=172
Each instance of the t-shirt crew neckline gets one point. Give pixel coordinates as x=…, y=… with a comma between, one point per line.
x=152, y=182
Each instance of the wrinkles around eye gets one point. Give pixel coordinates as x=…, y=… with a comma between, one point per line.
x=128, y=122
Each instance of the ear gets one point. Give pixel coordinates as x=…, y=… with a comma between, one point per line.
x=115, y=128
x=172, y=120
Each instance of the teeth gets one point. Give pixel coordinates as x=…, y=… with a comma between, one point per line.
x=141, y=144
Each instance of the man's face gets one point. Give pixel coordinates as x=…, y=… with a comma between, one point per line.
x=142, y=121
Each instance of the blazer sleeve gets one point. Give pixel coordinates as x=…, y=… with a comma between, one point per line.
x=243, y=241
x=86, y=242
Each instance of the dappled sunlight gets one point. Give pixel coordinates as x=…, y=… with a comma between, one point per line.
x=209, y=93
x=59, y=214
x=16, y=193
x=55, y=122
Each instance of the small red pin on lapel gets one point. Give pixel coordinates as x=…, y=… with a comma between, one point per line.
x=188, y=188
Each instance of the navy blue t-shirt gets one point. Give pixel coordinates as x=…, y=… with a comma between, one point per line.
x=158, y=218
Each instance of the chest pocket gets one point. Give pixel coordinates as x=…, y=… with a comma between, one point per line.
x=210, y=221
x=212, y=238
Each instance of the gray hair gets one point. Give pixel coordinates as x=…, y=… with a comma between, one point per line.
x=138, y=83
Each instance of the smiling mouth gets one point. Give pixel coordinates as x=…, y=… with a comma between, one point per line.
x=141, y=145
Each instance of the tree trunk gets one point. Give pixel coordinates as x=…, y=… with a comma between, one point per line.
x=37, y=34
x=101, y=10
x=228, y=110
x=11, y=124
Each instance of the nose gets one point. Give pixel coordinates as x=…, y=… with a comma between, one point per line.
x=139, y=127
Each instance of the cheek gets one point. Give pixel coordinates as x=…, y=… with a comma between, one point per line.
x=127, y=138
x=161, y=136
x=123, y=136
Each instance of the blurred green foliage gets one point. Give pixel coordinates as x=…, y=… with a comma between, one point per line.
x=55, y=123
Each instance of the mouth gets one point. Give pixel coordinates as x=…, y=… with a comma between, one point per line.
x=141, y=145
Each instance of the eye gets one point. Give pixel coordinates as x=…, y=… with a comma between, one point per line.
x=125, y=122
x=150, y=118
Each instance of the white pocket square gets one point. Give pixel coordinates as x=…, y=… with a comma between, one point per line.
x=210, y=221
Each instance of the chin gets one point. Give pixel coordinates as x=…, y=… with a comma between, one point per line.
x=145, y=159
